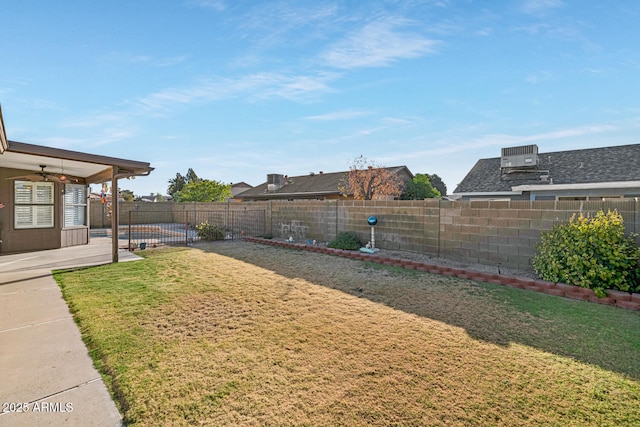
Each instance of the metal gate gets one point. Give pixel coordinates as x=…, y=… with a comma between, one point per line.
x=144, y=231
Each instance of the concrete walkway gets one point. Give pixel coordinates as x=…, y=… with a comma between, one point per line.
x=44, y=365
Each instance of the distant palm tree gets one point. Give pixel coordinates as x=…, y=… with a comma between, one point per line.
x=176, y=184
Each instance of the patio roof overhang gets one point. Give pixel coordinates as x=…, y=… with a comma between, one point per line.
x=90, y=167
x=3, y=134
x=93, y=168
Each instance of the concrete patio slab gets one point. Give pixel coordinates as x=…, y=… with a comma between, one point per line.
x=44, y=365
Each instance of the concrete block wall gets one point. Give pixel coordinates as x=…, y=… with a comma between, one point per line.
x=407, y=225
x=303, y=220
x=488, y=232
x=507, y=232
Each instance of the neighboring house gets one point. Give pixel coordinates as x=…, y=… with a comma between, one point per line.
x=521, y=173
x=45, y=193
x=154, y=198
x=239, y=187
x=314, y=186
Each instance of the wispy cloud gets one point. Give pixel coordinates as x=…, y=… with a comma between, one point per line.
x=539, y=77
x=217, y=5
x=450, y=146
x=339, y=115
x=253, y=86
x=378, y=44
x=107, y=136
x=146, y=59
x=540, y=7
x=271, y=24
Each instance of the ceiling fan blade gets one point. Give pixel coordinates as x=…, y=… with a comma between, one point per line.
x=27, y=177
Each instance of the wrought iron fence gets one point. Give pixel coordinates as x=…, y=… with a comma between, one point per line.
x=141, y=232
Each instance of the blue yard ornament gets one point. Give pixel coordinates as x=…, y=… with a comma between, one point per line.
x=371, y=246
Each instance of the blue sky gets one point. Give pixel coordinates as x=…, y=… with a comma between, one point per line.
x=240, y=89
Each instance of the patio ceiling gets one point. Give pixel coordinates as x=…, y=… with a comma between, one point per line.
x=93, y=168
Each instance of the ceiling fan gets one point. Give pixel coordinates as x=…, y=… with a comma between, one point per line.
x=41, y=175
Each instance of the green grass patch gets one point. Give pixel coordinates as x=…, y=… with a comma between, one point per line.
x=244, y=334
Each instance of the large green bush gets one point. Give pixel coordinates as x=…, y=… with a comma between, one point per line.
x=346, y=240
x=208, y=231
x=591, y=252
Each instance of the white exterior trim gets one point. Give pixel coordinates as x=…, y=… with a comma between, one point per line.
x=587, y=186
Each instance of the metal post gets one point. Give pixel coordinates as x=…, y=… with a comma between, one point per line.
x=373, y=238
x=114, y=214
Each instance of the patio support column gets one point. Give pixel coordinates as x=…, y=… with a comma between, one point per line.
x=115, y=214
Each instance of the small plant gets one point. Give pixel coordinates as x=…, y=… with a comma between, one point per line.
x=346, y=240
x=591, y=252
x=208, y=231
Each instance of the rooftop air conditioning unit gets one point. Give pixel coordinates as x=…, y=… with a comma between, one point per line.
x=274, y=181
x=519, y=157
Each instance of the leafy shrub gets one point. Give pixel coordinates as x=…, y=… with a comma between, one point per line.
x=591, y=252
x=346, y=240
x=208, y=231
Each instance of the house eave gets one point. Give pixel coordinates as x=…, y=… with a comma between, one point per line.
x=93, y=168
x=485, y=194
x=273, y=195
x=614, y=185
x=3, y=134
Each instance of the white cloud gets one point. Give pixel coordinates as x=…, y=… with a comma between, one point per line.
x=339, y=115
x=378, y=44
x=271, y=24
x=145, y=59
x=540, y=7
x=254, y=86
x=539, y=77
x=217, y=5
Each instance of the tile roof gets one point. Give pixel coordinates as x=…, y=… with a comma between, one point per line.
x=594, y=165
x=325, y=183
x=311, y=185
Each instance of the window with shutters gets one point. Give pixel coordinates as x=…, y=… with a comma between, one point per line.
x=33, y=205
x=75, y=205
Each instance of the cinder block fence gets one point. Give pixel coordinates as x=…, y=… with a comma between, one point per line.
x=486, y=232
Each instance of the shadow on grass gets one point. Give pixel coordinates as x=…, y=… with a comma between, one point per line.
x=596, y=334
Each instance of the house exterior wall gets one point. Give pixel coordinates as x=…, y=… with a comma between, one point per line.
x=35, y=239
x=487, y=232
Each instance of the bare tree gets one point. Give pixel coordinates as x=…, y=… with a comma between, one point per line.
x=367, y=181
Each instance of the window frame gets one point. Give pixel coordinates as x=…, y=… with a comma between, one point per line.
x=69, y=189
x=36, y=208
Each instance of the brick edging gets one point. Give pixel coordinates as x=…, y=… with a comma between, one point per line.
x=619, y=299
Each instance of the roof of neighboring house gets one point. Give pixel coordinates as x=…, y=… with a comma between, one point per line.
x=586, y=166
x=239, y=187
x=311, y=185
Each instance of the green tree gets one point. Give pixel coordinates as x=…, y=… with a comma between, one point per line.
x=127, y=195
x=176, y=184
x=203, y=190
x=191, y=176
x=438, y=184
x=419, y=188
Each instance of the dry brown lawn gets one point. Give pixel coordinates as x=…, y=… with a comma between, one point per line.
x=244, y=334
